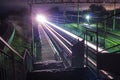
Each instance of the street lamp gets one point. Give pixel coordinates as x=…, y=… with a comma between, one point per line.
x=88, y=18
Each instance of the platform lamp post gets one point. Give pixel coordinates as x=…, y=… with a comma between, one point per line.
x=114, y=20
x=87, y=17
x=64, y=15
x=78, y=13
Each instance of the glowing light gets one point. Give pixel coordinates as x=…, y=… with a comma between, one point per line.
x=67, y=32
x=88, y=17
x=41, y=18
x=85, y=24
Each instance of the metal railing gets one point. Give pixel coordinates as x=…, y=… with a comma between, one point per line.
x=13, y=66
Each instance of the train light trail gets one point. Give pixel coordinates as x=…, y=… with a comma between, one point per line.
x=76, y=37
x=60, y=36
x=41, y=18
x=65, y=47
x=67, y=32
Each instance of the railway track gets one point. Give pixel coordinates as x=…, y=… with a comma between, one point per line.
x=64, y=42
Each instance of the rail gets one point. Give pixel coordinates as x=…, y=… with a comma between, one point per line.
x=14, y=66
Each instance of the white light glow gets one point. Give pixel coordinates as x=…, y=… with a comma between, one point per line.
x=85, y=24
x=95, y=48
x=41, y=18
x=88, y=17
x=67, y=32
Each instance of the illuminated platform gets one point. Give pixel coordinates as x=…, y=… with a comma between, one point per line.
x=47, y=52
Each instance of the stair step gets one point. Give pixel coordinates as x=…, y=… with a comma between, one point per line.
x=58, y=75
x=48, y=70
x=64, y=74
x=48, y=65
x=47, y=62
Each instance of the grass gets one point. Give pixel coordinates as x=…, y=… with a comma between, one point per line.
x=116, y=32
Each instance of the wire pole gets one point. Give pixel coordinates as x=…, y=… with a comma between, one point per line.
x=78, y=15
x=114, y=21
x=64, y=14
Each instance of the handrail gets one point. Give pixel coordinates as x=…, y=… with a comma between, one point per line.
x=18, y=54
x=25, y=53
x=1, y=51
x=25, y=62
x=1, y=39
x=110, y=47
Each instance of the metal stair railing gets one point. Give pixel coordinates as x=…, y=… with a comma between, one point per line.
x=13, y=66
x=115, y=46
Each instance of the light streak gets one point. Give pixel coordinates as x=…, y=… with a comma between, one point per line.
x=67, y=32
x=69, y=51
x=61, y=36
x=95, y=47
x=91, y=61
x=80, y=39
x=109, y=76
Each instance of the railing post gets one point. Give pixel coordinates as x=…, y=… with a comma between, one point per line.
x=13, y=66
x=24, y=69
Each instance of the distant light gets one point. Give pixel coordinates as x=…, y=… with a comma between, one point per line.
x=41, y=18
x=85, y=24
x=88, y=17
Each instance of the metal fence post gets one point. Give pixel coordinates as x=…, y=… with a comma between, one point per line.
x=13, y=66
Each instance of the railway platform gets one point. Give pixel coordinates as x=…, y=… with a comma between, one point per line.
x=47, y=52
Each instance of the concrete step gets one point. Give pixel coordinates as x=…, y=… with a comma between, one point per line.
x=51, y=64
x=64, y=74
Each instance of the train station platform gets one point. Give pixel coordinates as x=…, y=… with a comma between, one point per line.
x=47, y=52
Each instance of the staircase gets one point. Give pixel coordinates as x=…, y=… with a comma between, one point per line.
x=54, y=70
x=48, y=65
x=71, y=74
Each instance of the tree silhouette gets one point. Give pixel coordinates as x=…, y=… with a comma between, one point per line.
x=98, y=10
